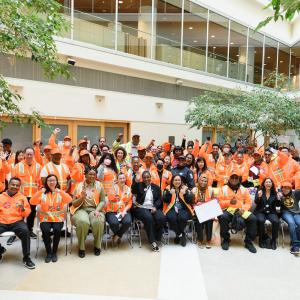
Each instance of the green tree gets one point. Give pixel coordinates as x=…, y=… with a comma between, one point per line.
x=261, y=111
x=27, y=29
x=283, y=10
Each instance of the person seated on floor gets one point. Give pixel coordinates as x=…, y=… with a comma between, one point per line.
x=203, y=193
x=118, y=205
x=14, y=207
x=147, y=208
x=87, y=211
x=236, y=204
x=267, y=202
x=52, y=201
x=290, y=201
x=177, y=206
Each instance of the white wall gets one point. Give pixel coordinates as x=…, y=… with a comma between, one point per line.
x=55, y=100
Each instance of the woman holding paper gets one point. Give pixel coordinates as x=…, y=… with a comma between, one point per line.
x=203, y=193
x=117, y=208
x=177, y=206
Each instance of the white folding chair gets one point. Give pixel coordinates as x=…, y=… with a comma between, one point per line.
x=38, y=230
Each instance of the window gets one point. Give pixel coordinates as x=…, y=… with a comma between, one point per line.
x=91, y=132
x=47, y=131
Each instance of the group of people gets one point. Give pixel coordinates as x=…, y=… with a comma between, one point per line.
x=159, y=185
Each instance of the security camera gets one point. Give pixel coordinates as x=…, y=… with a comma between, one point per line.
x=71, y=61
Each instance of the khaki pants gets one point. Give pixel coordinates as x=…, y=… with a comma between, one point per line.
x=84, y=219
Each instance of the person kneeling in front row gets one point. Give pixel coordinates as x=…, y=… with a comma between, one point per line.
x=14, y=207
x=86, y=210
x=236, y=204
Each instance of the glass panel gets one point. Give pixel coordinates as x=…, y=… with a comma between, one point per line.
x=66, y=10
x=283, y=64
x=270, y=62
x=91, y=132
x=255, y=56
x=111, y=134
x=217, y=44
x=220, y=136
x=237, y=51
x=98, y=26
x=295, y=63
x=21, y=136
x=46, y=133
x=168, y=31
x=134, y=27
x=194, y=36
x=206, y=132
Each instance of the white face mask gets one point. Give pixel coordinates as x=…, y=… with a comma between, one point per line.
x=107, y=161
x=67, y=143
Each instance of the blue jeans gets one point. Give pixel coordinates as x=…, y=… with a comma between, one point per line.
x=293, y=221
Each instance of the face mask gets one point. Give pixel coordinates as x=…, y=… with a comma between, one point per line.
x=67, y=143
x=160, y=167
x=107, y=161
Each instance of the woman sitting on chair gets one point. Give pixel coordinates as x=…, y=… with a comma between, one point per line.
x=177, y=199
x=52, y=201
x=86, y=210
x=117, y=208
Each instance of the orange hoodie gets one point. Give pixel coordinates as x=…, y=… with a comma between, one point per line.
x=10, y=211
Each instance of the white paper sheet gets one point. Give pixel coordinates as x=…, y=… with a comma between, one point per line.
x=208, y=210
x=254, y=170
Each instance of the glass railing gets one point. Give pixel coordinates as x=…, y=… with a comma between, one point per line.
x=167, y=50
x=193, y=57
x=217, y=64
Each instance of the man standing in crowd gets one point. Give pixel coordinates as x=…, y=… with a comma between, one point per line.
x=130, y=147
x=186, y=174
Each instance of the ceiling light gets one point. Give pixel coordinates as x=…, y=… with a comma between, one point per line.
x=231, y=43
x=121, y=1
x=212, y=36
x=281, y=61
x=191, y=27
x=195, y=41
x=237, y=55
x=268, y=57
x=214, y=47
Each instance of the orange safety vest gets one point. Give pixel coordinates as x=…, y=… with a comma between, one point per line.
x=62, y=176
x=96, y=195
x=4, y=170
x=154, y=175
x=109, y=178
x=165, y=179
x=30, y=177
x=118, y=200
x=223, y=172
x=209, y=194
x=207, y=174
x=168, y=206
x=52, y=205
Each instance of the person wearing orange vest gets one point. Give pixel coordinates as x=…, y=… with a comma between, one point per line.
x=118, y=205
x=29, y=172
x=164, y=175
x=224, y=169
x=203, y=193
x=274, y=166
x=243, y=167
x=236, y=204
x=42, y=160
x=4, y=170
x=292, y=167
x=14, y=207
x=177, y=207
x=257, y=171
x=191, y=148
x=150, y=166
x=87, y=212
x=59, y=169
x=201, y=169
x=52, y=201
x=107, y=172
x=141, y=154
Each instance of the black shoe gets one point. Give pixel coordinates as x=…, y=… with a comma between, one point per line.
x=295, y=250
x=54, y=257
x=155, y=247
x=97, y=251
x=11, y=240
x=48, y=258
x=274, y=244
x=2, y=251
x=177, y=240
x=183, y=240
x=249, y=245
x=33, y=235
x=28, y=263
x=261, y=243
x=81, y=253
x=225, y=244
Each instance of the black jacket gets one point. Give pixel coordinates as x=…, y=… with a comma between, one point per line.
x=139, y=189
x=188, y=198
x=186, y=174
x=266, y=206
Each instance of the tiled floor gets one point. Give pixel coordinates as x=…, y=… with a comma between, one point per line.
x=174, y=273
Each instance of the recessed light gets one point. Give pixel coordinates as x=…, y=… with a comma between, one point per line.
x=120, y=1
x=255, y=52
x=237, y=55
x=214, y=47
x=265, y=64
x=281, y=61
x=231, y=43
x=191, y=27
x=268, y=57
x=212, y=36
x=195, y=41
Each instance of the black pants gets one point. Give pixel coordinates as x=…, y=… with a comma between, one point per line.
x=21, y=231
x=118, y=227
x=261, y=219
x=153, y=223
x=30, y=218
x=178, y=221
x=46, y=228
x=249, y=223
x=200, y=227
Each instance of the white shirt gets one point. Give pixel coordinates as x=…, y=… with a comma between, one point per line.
x=148, y=203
